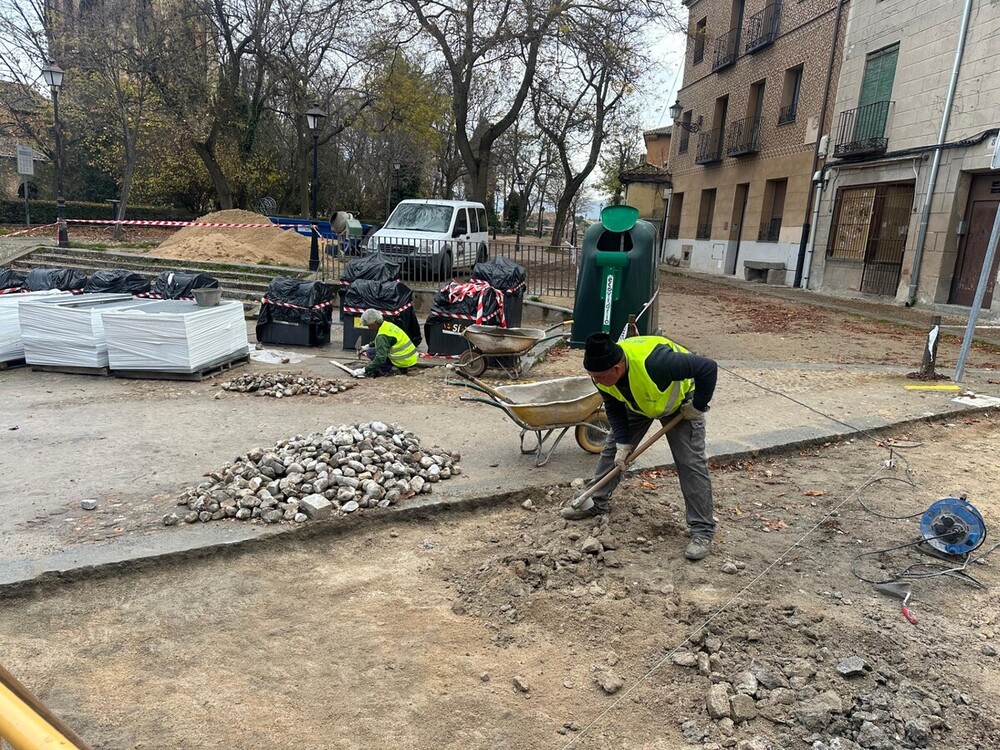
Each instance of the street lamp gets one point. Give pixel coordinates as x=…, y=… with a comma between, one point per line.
x=53, y=76
x=519, y=189
x=675, y=112
x=314, y=117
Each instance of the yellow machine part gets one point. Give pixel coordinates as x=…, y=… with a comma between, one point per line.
x=23, y=728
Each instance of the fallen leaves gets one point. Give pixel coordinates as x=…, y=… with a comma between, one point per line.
x=774, y=524
x=814, y=493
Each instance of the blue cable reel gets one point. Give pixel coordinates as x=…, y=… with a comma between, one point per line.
x=953, y=526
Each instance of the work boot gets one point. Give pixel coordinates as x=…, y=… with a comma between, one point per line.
x=588, y=510
x=698, y=548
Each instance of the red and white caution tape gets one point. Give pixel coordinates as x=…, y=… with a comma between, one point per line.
x=29, y=230
x=13, y=290
x=320, y=306
x=165, y=223
x=457, y=292
x=403, y=309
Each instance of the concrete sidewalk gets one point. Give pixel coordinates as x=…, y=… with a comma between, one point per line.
x=953, y=317
x=821, y=403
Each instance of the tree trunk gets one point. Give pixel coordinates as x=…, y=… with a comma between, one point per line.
x=131, y=157
x=563, y=207
x=219, y=181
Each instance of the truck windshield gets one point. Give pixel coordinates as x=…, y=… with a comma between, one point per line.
x=421, y=217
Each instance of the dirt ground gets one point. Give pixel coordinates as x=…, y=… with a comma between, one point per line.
x=410, y=634
x=496, y=629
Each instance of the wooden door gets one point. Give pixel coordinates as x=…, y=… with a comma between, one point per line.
x=984, y=200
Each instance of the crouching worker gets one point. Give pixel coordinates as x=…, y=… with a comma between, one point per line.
x=645, y=378
x=390, y=351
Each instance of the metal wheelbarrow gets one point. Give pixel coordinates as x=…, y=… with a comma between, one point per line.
x=503, y=346
x=547, y=408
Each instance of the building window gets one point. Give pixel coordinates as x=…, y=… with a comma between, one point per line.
x=674, y=217
x=685, y=135
x=706, y=215
x=700, y=29
x=790, y=95
x=774, y=209
x=861, y=131
x=870, y=225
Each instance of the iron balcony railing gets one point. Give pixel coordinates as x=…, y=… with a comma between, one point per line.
x=704, y=232
x=769, y=231
x=726, y=49
x=861, y=131
x=762, y=27
x=709, y=147
x=673, y=231
x=787, y=114
x=743, y=137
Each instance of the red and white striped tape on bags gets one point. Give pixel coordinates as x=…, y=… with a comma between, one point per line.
x=457, y=292
x=320, y=306
x=403, y=309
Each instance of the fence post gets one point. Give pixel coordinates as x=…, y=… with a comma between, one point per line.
x=930, y=351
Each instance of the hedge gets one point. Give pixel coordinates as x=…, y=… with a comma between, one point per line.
x=44, y=212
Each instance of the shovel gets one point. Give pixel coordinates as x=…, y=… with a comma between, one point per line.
x=901, y=591
x=346, y=369
x=615, y=470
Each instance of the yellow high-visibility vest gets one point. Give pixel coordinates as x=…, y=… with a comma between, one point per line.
x=650, y=401
x=403, y=353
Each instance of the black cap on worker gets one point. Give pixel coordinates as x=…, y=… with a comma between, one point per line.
x=600, y=353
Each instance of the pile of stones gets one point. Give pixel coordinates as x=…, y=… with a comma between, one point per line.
x=827, y=703
x=285, y=384
x=342, y=469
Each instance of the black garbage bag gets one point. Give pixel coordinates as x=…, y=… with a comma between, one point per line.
x=296, y=301
x=474, y=302
x=11, y=280
x=63, y=279
x=392, y=298
x=181, y=284
x=374, y=267
x=502, y=273
x=117, y=280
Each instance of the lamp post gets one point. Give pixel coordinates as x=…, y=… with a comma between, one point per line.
x=519, y=189
x=314, y=117
x=675, y=113
x=53, y=75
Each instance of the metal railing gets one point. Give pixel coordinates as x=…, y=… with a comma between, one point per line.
x=743, y=137
x=787, y=114
x=703, y=232
x=549, y=271
x=699, y=49
x=769, y=231
x=710, y=147
x=861, y=131
x=726, y=49
x=762, y=27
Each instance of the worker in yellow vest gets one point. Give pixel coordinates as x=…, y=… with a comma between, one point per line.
x=390, y=351
x=645, y=378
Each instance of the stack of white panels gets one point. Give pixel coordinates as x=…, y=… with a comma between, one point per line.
x=175, y=336
x=11, y=346
x=69, y=333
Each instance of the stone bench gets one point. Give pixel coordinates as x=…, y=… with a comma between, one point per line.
x=764, y=272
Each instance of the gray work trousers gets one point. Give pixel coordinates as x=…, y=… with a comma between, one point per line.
x=687, y=444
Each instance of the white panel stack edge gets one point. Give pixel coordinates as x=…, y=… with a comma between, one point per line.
x=11, y=345
x=69, y=333
x=175, y=336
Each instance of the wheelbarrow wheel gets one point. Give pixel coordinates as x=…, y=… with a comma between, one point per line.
x=593, y=435
x=472, y=362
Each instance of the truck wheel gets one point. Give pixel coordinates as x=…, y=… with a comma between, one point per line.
x=447, y=267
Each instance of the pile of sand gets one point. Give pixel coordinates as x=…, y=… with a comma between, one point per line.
x=271, y=246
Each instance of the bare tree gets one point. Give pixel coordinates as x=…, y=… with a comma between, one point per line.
x=574, y=103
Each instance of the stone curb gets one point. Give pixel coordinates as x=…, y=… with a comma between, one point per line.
x=342, y=525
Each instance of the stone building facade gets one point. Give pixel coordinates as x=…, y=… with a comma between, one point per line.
x=890, y=104
x=756, y=75
x=647, y=186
